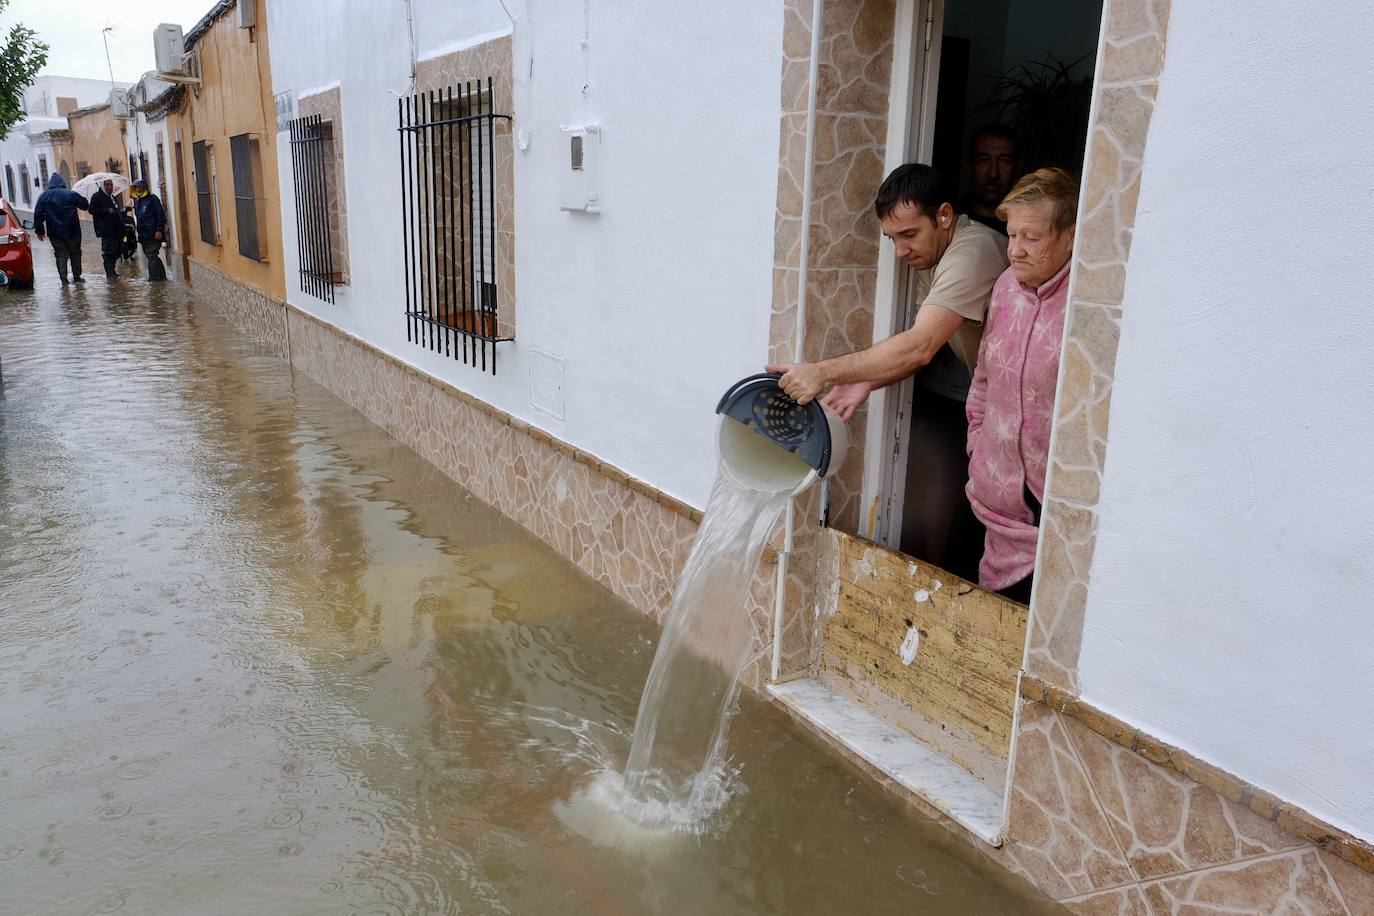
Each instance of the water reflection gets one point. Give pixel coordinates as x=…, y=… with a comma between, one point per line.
x=259, y=658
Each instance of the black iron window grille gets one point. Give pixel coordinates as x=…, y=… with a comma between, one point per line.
x=315, y=206
x=448, y=207
x=245, y=160
x=205, y=204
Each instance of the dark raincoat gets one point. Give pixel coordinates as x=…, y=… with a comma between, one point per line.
x=105, y=214
x=54, y=213
x=151, y=218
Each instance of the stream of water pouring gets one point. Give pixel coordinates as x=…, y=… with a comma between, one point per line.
x=674, y=776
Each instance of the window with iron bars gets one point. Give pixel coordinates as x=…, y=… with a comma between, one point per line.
x=207, y=198
x=250, y=211
x=448, y=207
x=317, y=230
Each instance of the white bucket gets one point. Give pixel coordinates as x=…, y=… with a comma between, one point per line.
x=755, y=462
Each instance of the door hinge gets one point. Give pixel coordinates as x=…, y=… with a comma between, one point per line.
x=930, y=24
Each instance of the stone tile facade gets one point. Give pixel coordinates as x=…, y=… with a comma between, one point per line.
x=1132, y=56
x=853, y=77
x=329, y=106
x=1172, y=821
x=1106, y=831
x=254, y=312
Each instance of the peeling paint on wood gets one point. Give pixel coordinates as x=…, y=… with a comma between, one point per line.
x=968, y=647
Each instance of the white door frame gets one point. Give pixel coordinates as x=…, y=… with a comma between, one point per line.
x=918, y=29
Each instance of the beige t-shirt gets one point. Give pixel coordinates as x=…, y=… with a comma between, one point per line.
x=962, y=282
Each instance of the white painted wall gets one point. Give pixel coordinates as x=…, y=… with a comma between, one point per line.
x=1229, y=608
x=658, y=303
x=40, y=99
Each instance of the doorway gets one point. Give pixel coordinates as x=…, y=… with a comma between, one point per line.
x=180, y=166
x=961, y=67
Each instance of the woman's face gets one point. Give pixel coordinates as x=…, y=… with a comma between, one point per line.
x=1035, y=248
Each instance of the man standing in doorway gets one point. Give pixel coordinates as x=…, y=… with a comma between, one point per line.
x=152, y=223
x=993, y=163
x=1011, y=403
x=108, y=226
x=956, y=262
x=54, y=217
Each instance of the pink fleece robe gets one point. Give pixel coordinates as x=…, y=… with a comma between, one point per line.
x=1010, y=412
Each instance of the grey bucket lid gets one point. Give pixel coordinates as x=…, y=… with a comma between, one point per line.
x=760, y=403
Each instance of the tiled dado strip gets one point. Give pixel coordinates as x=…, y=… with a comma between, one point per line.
x=1268, y=806
x=253, y=311
x=1132, y=56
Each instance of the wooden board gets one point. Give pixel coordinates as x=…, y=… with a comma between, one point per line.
x=971, y=643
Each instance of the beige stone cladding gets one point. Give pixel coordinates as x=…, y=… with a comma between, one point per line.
x=329, y=106
x=853, y=77
x=1132, y=55
x=467, y=70
x=1099, y=826
x=254, y=312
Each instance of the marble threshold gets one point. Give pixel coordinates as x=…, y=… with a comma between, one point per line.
x=923, y=772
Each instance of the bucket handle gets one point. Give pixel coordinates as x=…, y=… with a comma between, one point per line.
x=747, y=380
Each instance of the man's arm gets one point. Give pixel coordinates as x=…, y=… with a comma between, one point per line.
x=81, y=203
x=885, y=362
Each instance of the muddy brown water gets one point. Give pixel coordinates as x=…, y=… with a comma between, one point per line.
x=256, y=657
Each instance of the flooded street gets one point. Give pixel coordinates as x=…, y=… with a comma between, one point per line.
x=259, y=658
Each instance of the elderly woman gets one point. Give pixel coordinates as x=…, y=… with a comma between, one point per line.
x=1011, y=402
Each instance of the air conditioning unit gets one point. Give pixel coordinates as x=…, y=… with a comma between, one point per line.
x=247, y=12
x=169, y=51
x=121, y=105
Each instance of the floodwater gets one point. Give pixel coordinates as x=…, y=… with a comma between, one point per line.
x=258, y=658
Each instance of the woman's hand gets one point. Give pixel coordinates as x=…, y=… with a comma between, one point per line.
x=845, y=399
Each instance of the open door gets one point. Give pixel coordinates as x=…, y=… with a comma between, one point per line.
x=181, y=206
x=960, y=66
x=911, y=137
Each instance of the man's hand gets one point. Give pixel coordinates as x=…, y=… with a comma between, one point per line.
x=158, y=235
x=801, y=381
x=41, y=235
x=845, y=399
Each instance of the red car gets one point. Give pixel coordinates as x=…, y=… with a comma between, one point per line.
x=16, y=253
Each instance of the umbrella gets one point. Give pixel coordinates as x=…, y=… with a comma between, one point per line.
x=88, y=185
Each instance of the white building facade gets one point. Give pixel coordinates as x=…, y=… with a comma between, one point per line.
x=32, y=150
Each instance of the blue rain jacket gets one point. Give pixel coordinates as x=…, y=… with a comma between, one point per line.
x=54, y=213
x=151, y=217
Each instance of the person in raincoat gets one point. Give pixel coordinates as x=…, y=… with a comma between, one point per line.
x=108, y=226
x=55, y=218
x=152, y=225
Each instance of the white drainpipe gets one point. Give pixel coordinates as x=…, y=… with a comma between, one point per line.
x=780, y=598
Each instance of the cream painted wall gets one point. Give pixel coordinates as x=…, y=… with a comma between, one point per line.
x=1229, y=609
x=658, y=303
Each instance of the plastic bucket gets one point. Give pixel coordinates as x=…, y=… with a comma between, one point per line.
x=768, y=442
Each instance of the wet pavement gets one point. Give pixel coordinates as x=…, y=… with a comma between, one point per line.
x=259, y=658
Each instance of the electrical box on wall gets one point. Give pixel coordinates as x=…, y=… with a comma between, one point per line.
x=578, y=186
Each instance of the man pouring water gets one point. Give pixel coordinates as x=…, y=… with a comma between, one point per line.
x=956, y=261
